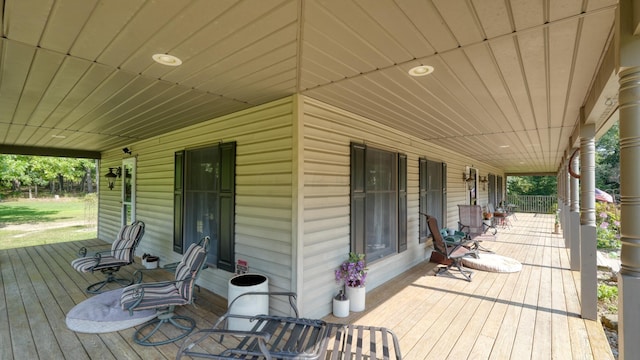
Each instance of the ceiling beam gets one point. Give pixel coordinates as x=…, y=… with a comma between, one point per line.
x=41, y=151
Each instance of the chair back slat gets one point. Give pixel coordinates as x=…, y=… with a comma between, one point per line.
x=123, y=248
x=190, y=266
x=438, y=241
x=471, y=219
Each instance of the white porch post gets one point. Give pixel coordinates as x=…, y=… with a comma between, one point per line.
x=629, y=277
x=588, y=261
x=566, y=224
x=574, y=215
x=563, y=201
x=628, y=48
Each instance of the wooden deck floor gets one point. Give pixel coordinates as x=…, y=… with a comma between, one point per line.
x=534, y=313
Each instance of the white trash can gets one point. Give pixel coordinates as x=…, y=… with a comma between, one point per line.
x=249, y=305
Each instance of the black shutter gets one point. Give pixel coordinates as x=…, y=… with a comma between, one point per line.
x=226, y=201
x=492, y=190
x=358, y=196
x=178, y=201
x=444, y=194
x=422, y=169
x=402, y=202
x=499, y=192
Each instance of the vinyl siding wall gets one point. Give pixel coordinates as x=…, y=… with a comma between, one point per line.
x=292, y=207
x=327, y=134
x=263, y=227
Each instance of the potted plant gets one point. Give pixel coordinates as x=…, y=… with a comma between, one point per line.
x=353, y=273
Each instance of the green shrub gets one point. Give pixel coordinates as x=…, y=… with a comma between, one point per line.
x=607, y=226
x=607, y=292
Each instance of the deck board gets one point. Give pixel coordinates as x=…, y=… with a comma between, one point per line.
x=534, y=313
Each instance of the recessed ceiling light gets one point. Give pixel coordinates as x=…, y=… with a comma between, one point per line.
x=504, y=146
x=166, y=59
x=421, y=70
x=58, y=136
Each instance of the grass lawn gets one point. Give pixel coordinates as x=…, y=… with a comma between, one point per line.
x=37, y=222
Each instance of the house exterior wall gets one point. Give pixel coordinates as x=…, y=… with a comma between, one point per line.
x=327, y=132
x=292, y=194
x=263, y=230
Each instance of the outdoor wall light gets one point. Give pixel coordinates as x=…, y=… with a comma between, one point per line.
x=111, y=177
x=483, y=180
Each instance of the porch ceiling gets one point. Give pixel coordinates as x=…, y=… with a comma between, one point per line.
x=78, y=74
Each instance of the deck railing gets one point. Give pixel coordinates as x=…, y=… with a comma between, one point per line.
x=543, y=204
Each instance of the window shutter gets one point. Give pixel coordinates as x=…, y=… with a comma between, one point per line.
x=178, y=201
x=444, y=194
x=422, y=169
x=226, y=201
x=402, y=202
x=358, y=196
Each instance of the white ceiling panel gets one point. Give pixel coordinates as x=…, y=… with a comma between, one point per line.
x=512, y=73
x=494, y=17
x=461, y=21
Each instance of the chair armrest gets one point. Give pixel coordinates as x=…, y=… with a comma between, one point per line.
x=462, y=226
x=82, y=252
x=138, y=290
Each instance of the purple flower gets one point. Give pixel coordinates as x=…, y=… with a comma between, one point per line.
x=603, y=215
x=604, y=225
x=616, y=223
x=353, y=271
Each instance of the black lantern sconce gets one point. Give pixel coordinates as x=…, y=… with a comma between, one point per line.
x=483, y=180
x=111, y=176
x=468, y=179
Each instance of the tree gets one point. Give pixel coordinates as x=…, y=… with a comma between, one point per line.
x=532, y=185
x=608, y=161
x=61, y=174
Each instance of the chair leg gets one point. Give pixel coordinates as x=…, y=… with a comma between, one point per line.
x=183, y=324
x=458, y=264
x=96, y=288
x=464, y=271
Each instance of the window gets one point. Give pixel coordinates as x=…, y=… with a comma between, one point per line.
x=433, y=194
x=472, y=186
x=128, y=191
x=378, y=202
x=204, y=205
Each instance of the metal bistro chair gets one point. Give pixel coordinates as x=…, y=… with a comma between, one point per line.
x=165, y=296
x=109, y=262
x=452, y=251
x=471, y=222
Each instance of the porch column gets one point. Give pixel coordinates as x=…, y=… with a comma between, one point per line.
x=561, y=193
x=588, y=261
x=574, y=223
x=629, y=277
x=566, y=224
x=628, y=48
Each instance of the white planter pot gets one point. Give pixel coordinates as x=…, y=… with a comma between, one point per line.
x=247, y=305
x=341, y=308
x=357, y=297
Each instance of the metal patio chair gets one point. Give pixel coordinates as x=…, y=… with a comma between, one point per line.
x=109, y=262
x=452, y=250
x=164, y=296
x=470, y=221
